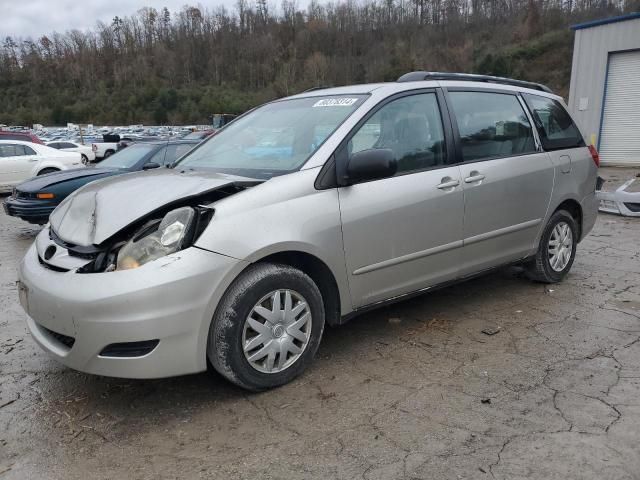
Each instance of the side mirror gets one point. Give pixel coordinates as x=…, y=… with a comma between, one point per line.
x=371, y=164
x=150, y=165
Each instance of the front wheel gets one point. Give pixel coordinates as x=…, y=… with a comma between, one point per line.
x=267, y=327
x=557, y=249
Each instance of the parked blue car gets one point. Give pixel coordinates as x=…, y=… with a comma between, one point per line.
x=34, y=199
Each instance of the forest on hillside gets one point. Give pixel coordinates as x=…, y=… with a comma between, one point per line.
x=158, y=67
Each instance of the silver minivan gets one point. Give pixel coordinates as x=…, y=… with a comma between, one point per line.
x=305, y=212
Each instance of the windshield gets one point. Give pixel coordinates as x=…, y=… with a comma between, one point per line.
x=274, y=139
x=129, y=156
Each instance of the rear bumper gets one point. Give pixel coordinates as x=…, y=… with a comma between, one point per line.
x=32, y=211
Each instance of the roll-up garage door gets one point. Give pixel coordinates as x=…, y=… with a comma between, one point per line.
x=620, y=134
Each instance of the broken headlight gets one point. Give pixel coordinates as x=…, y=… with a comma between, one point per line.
x=170, y=237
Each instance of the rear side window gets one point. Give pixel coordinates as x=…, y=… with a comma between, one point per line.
x=411, y=127
x=28, y=150
x=7, y=151
x=12, y=150
x=554, y=124
x=491, y=125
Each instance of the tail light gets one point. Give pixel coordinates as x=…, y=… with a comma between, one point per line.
x=94, y=147
x=594, y=155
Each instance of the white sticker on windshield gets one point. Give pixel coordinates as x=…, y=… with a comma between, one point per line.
x=335, y=102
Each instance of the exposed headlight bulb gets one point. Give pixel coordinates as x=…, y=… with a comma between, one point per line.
x=167, y=239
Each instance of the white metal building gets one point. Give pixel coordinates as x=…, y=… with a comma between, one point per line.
x=604, y=94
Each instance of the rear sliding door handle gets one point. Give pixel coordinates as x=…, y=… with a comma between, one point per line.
x=475, y=177
x=447, y=183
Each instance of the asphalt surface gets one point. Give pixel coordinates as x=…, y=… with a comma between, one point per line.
x=416, y=390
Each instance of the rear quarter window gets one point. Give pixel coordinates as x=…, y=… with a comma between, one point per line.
x=555, y=126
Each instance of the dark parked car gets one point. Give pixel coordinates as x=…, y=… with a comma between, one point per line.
x=36, y=198
x=126, y=141
x=24, y=136
x=199, y=135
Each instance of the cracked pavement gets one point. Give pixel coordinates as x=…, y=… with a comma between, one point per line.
x=414, y=390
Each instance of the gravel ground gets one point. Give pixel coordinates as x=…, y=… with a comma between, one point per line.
x=415, y=390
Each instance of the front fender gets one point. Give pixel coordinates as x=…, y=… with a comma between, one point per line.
x=285, y=214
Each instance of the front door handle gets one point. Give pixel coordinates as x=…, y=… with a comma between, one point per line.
x=447, y=182
x=474, y=177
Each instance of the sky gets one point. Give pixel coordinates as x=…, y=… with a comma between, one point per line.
x=32, y=18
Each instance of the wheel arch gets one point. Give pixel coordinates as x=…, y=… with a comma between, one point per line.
x=575, y=210
x=318, y=271
x=42, y=168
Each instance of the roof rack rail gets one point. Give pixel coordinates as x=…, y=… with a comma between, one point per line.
x=470, y=77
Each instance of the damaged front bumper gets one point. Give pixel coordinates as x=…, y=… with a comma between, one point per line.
x=622, y=201
x=148, y=322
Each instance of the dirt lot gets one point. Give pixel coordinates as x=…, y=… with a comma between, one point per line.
x=412, y=391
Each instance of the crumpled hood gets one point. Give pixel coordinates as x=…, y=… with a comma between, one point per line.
x=100, y=209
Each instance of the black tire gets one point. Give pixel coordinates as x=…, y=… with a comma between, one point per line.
x=85, y=159
x=224, y=348
x=44, y=171
x=108, y=153
x=540, y=269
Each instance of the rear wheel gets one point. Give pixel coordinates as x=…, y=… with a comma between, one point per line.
x=85, y=159
x=267, y=327
x=108, y=153
x=557, y=249
x=44, y=171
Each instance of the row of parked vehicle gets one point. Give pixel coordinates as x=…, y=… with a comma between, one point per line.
x=112, y=143
x=24, y=155
x=53, y=172
x=302, y=213
x=93, y=147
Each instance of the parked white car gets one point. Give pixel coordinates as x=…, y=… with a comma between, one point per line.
x=22, y=160
x=86, y=152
